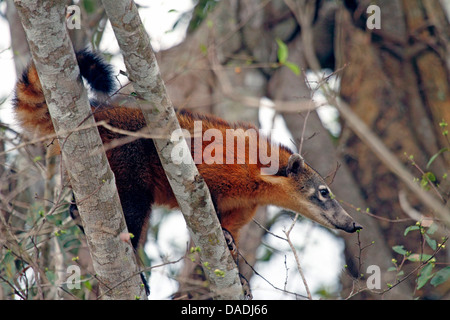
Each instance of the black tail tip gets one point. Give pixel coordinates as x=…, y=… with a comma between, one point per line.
x=98, y=73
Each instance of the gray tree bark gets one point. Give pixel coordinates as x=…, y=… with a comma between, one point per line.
x=91, y=178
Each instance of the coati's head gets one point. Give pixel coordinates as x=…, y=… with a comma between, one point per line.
x=311, y=197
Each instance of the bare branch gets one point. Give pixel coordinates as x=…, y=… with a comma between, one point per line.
x=297, y=260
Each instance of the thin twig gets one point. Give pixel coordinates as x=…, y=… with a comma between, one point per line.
x=294, y=251
x=299, y=267
x=271, y=284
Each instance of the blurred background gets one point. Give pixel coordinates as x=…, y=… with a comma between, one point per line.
x=265, y=62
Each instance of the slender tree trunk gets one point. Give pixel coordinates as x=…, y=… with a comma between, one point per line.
x=91, y=178
x=188, y=186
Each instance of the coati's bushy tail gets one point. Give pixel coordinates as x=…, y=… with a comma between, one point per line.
x=96, y=71
x=29, y=103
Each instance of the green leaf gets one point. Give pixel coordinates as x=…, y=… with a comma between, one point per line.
x=425, y=275
x=441, y=276
x=431, y=242
x=294, y=67
x=432, y=228
x=399, y=249
x=88, y=285
x=51, y=276
x=219, y=273
x=436, y=155
x=204, y=49
x=392, y=269
x=267, y=255
x=410, y=228
x=415, y=257
x=424, y=183
x=283, y=51
x=430, y=176
x=89, y=6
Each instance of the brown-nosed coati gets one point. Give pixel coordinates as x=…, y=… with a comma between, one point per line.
x=238, y=184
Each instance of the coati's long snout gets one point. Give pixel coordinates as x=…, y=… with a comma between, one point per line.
x=313, y=199
x=345, y=222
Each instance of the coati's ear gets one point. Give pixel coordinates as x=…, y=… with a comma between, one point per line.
x=295, y=164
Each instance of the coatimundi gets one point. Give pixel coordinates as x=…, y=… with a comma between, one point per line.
x=237, y=188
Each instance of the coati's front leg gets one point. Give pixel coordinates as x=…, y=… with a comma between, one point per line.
x=235, y=254
x=232, y=221
x=231, y=245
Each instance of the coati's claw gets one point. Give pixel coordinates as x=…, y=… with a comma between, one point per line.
x=246, y=287
x=234, y=252
x=231, y=244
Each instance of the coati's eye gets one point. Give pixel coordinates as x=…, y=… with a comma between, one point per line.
x=324, y=191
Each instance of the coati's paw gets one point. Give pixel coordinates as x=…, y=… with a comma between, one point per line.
x=73, y=211
x=231, y=244
x=234, y=252
x=246, y=287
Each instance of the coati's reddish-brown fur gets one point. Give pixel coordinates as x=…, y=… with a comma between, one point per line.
x=236, y=189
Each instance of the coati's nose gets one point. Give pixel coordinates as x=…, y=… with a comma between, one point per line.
x=351, y=227
x=345, y=222
x=356, y=227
